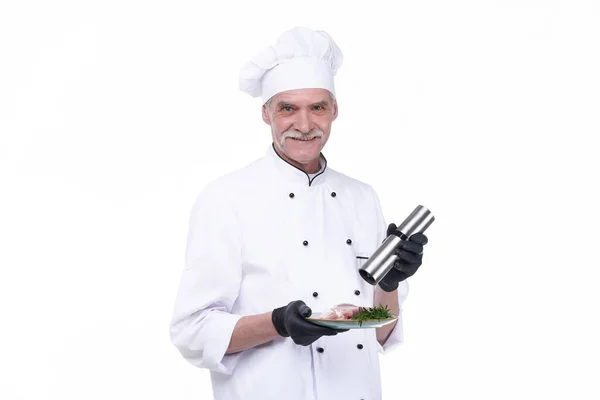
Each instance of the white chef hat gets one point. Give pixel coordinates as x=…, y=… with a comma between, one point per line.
x=301, y=58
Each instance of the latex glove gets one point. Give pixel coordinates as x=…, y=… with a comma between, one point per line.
x=410, y=253
x=289, y=322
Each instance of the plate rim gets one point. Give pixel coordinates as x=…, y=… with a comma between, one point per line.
x=354, y=321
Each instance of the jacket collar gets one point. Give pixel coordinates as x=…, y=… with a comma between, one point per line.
x=294, y=174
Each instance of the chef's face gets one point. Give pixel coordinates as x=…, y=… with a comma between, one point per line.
x=300, y=123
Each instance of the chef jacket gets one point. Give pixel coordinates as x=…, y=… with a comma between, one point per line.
x=260, y=237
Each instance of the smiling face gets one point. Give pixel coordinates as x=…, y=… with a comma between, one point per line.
x=300, y=123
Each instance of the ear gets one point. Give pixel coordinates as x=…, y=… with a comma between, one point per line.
x=265, y=115
x=335, y=110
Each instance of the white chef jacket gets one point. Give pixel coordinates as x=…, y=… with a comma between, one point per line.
x=260, y=237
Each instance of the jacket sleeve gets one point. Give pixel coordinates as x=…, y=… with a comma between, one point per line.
x=396, y=337
x=202, y=322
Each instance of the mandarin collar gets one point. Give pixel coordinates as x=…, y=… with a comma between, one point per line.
x=294, y=174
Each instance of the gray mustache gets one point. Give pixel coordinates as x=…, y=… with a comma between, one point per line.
x=296, y=134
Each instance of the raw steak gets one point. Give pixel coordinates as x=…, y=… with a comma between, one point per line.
x=341, y=311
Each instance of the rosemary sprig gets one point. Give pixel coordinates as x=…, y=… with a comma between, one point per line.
x=372, y=313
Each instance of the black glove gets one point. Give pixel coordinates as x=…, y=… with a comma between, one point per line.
x=410, y=254
x=289, y=322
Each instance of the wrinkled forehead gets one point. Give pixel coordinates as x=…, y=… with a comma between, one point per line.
x=303, y=97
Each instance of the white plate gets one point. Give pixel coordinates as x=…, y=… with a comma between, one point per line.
x=349, y=323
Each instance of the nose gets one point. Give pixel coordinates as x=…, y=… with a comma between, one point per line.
x=303, y=123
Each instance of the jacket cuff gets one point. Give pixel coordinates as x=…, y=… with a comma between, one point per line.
x=396, y=337
x=219, y=328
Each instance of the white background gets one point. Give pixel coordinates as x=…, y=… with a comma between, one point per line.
x=115, y=114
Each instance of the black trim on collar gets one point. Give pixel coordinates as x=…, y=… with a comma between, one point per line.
x=310, y=181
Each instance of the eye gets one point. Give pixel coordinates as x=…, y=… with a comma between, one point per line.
x=317, y=108
x=287, y=109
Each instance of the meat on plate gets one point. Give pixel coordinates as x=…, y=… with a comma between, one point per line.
x=343, y=311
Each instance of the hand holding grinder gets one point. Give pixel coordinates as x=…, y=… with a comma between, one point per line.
x=400, y=254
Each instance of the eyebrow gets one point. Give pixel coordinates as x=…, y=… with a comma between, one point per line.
x=282, y=104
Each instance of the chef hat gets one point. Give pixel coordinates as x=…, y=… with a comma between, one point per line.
x=301, y=58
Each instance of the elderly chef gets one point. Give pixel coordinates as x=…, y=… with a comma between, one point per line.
x=282, y=237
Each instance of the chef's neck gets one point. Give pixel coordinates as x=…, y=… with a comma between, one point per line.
x=312, y=167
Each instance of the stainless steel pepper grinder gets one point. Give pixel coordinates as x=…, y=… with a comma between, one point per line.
x=384, y=258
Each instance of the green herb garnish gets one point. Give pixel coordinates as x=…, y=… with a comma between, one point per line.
x=372, y=313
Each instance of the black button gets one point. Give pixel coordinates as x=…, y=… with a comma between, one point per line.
x=357, y=292
x=333, y=194
x=360, y=346
x=349, y=241
x=291, y=195
x=320, y=349
x=305, y=243
x=315, y=294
